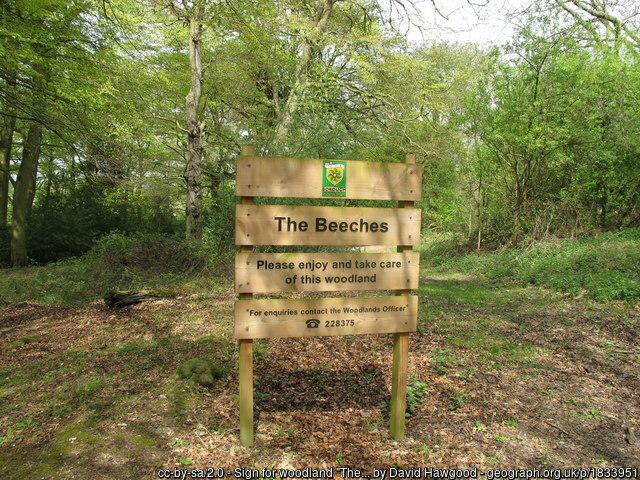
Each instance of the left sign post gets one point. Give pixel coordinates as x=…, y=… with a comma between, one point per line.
x=245, y=349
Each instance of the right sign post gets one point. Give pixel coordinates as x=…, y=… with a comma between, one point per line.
x=269, y=273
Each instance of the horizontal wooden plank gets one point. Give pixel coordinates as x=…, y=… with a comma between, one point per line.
x=302, y=225
x=296, y=177
x=313, y=317
x=325, y=272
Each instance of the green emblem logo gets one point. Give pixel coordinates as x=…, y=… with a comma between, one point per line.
x=334, y=179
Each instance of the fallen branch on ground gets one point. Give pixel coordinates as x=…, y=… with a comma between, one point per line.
x=124, y=299
x=557, y=427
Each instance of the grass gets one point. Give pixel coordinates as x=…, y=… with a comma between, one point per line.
x=604, y=267
x=160, y=264
x=478, y=426
x=78, y=389
x=493, y=346
x=75, y=281
x=72, y=395
x=510, y=422
x=77, y=380
x=457, y=400
x=442, y=360
x=483, y=335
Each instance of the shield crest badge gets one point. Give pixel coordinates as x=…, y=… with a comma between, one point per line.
x=334, y=179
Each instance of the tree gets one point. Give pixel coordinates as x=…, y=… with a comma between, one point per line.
x=324, y=9
x=24, y=194
x=6, y=142
x=46, y=44
x=193, y=14
x=551, y=157
x=609, y=23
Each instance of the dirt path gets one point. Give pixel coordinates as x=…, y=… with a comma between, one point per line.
x=514, y=378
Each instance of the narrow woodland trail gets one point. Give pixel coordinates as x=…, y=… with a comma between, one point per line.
x=519, y=377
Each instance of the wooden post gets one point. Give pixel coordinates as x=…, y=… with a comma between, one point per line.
x=245, y=356
x=246, y=391
x=400, y=356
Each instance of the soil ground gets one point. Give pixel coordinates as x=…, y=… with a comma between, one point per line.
x=515, y=377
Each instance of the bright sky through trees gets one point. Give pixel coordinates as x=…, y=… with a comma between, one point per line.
x=462, y=21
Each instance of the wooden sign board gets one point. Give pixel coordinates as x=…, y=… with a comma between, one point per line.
x=304, y=178
x=325, y=272
x=302, y=225
x=313, y=317
x=315, y=225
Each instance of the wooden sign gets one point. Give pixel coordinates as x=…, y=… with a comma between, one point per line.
x=325, y=272
x=314, y=178
x=315, y=225
x=313, y=317
x=301, y=225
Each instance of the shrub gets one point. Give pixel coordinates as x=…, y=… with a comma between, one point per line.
x=415, y=393
x=146, y=253
x=117, y=262
x=436, y=248
x=68, y=223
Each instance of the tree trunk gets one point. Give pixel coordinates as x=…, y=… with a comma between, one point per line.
x=24, y=193
x=517, y=201
x=300, y=80
x=195, y=128
x=480, y=205
x=6, y=139
x=603, y=211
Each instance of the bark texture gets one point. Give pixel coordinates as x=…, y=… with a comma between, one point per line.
x=6, y=139
x=24, y=193
x=301, y=76
x=195, y=127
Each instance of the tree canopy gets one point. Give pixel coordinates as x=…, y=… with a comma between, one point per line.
x=127, y=116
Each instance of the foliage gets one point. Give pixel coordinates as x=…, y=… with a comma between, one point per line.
x=69, y=225
x=145, y=253
x=416, y=390
x=457, y=400
x=552, y=150
x=535, y=139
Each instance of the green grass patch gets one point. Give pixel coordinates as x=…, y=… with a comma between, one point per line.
x=604, y=267
x=442, y=360
x=19, y=342
x=494, y=347
x=165, y=265
x=457, y=291
x=477, y=325
x=69, y=441
x=16, y=383
x=75, y=394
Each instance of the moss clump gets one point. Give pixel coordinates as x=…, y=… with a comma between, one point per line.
x=206, y=379
x=202, y=371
